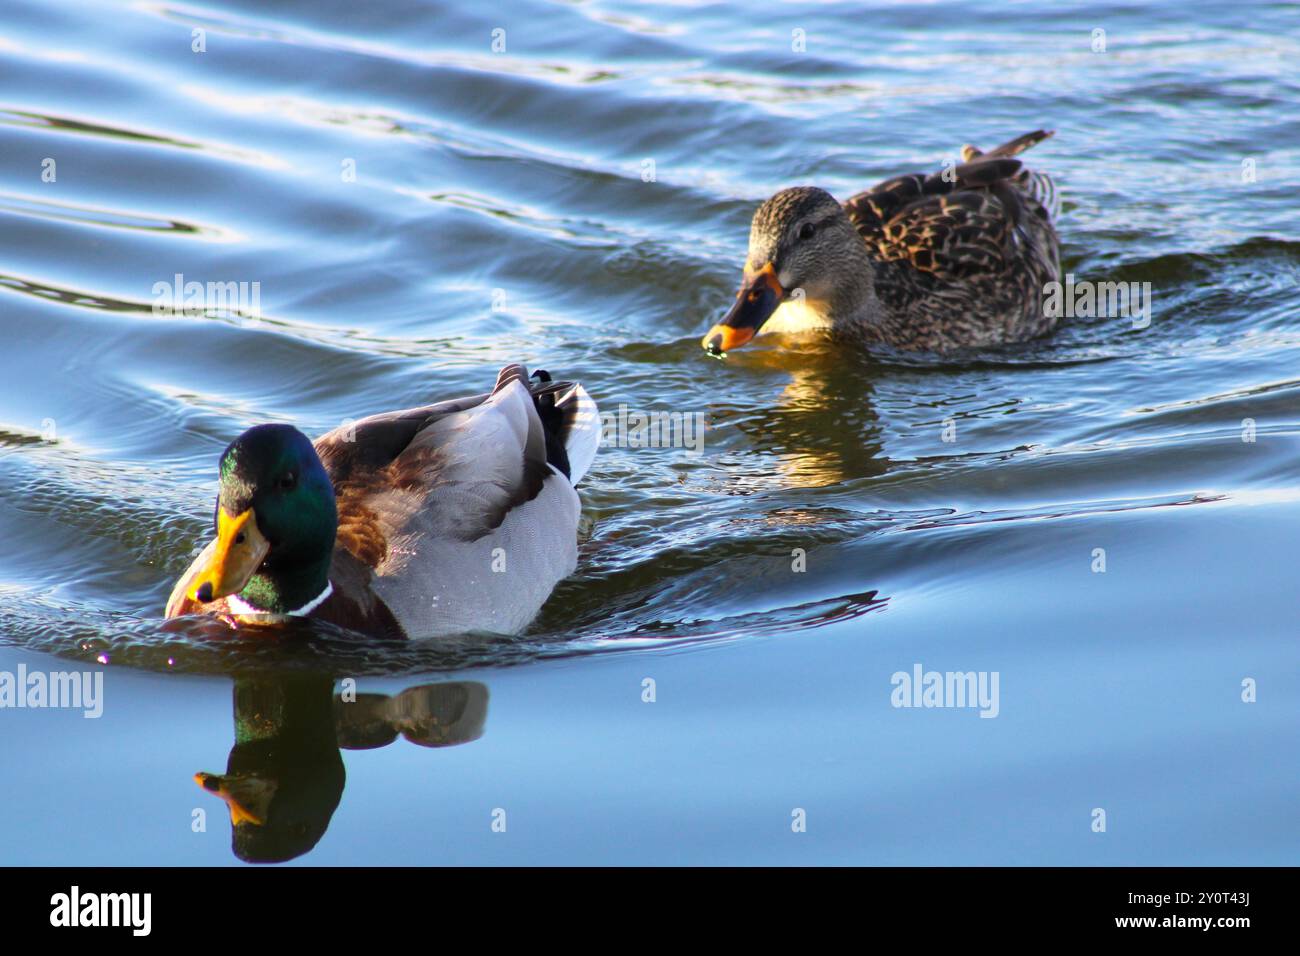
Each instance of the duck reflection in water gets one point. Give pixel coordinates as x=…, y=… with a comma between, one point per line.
x=285, y=775
x=819, y=429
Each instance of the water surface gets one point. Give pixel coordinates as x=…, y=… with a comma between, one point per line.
x=418, y=210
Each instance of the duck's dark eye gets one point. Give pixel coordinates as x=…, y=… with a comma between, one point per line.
x=288, y=481
x=806, y=230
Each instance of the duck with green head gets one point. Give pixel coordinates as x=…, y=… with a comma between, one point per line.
x=447, y=518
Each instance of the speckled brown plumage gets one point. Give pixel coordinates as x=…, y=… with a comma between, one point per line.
x=964, y=257
x=952, y=259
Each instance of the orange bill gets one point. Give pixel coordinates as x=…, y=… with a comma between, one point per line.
x=758, y=298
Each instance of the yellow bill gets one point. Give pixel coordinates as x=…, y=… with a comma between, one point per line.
x=240, y=549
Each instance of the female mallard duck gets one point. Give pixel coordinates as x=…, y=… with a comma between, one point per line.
x=954, y=259
x=454, y=517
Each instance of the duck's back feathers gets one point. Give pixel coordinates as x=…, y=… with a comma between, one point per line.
x=463, y=516
x=963, y=221
x=964, y=253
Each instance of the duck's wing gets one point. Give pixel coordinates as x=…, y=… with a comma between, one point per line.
x=982, y=217
x=462, y=510
x=475, y=457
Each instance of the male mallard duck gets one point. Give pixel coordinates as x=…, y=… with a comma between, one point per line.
x=956, y=258
x=454, y=517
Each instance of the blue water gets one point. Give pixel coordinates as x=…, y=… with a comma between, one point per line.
x=518, y=178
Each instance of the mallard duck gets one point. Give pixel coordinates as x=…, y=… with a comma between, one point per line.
x=953, y=259
x=455, y=517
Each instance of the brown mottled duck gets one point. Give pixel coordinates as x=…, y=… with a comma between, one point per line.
x=953, y=259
